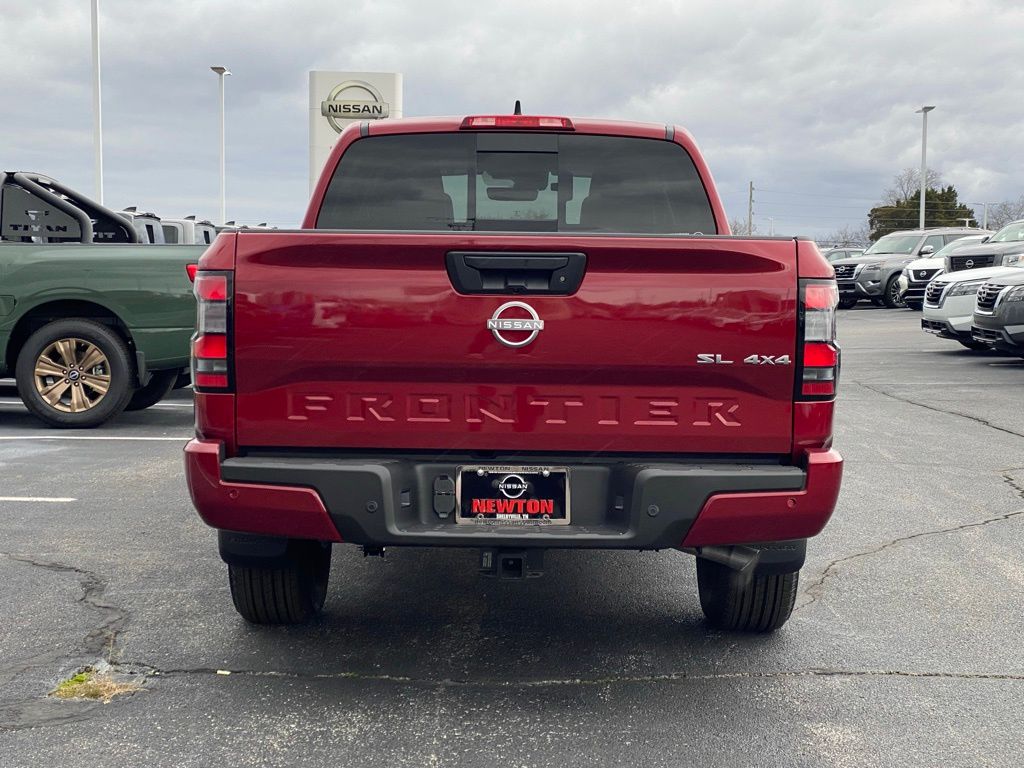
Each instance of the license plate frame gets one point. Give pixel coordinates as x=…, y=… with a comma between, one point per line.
x=524, y=473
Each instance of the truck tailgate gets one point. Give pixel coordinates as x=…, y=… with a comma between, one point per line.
x=352, y=340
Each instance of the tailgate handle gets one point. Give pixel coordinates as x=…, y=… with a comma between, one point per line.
x=518, y=274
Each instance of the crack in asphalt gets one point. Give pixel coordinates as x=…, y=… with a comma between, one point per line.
x=668, y=677
x=936, y=409
x=816, y=589
x=100, y=641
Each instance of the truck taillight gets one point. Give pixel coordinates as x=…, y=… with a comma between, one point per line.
x=211, y=343
x=819, y=353
x=517, y=121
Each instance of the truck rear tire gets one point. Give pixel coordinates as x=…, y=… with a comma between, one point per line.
x=291, y=591
x=159, y=386
x=755, y=604
x=74, y=373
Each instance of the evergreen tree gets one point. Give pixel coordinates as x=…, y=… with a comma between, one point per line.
x=942, y=208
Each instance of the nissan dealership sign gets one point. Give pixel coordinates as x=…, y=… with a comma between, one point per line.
x=337, y=99
x=353, y=99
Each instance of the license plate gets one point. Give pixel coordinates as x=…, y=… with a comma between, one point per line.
x=512, y=495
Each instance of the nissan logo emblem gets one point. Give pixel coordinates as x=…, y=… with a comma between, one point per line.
x=513, y=486
x=969, y=263
x=336, y=108
x=498, y=323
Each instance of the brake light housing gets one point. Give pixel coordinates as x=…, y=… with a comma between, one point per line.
x=818, y=351
x=211, y=342
x=536, y=122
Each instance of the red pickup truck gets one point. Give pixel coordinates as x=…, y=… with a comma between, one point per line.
x=515, y=333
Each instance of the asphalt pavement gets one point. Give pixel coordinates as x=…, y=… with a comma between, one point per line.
x=904, y=648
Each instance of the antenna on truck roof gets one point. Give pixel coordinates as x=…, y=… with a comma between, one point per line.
x=518, y=108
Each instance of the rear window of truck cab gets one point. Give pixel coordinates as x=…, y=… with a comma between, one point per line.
x=517, y=182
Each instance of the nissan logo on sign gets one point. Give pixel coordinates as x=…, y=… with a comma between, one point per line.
x=353, y=100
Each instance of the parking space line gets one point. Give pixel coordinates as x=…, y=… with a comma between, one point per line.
x=180, y=439
x=55, y=500
x=17, y=401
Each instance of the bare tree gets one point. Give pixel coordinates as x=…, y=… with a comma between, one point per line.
x=849, y=234
x=907, y=183
x=1001, y=214
x=739, y=227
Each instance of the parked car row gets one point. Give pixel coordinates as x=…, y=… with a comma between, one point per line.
x=874, y=275
x=914, y=279
x=978, y=305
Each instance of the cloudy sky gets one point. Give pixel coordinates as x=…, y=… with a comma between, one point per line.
x=814, y=101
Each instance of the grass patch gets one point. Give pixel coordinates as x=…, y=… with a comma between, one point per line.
x=96, y=685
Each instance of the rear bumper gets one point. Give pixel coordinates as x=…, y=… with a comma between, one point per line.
x=617, y=504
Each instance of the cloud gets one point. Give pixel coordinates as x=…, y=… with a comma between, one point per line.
x=813, y=101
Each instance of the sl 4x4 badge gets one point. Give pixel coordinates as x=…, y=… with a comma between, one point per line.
x=713, y=359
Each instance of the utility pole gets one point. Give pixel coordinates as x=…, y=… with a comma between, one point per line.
x=985, y=224
x=771, y=226
x=97, y=105
x=924, y=158
x=750, y=210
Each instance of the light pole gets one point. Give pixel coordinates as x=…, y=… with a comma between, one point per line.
x=97, y=106
x=221, y=73
x=924, y=158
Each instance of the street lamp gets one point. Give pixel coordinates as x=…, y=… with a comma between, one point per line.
x=923, y=111
x=221, y=72
x=97, y=106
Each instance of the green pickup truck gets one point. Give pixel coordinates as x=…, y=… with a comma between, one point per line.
x=91, y=321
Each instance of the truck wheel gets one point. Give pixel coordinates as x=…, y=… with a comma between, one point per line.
x=976, y=346
x=74, y=373
x=160, y=384
x=847, y=303
x=891, y=297
x=290, y=592
x=757, y=604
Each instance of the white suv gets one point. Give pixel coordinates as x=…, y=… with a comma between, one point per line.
x=949, y=303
